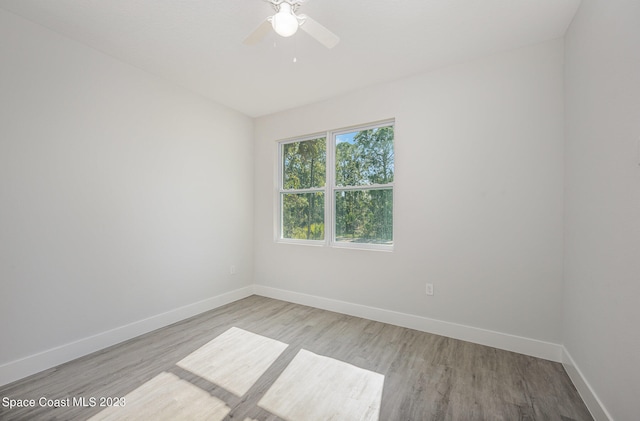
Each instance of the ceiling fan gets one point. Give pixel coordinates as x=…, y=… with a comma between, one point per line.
x=286, y=23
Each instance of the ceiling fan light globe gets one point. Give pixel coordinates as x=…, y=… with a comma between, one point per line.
x=285, y=24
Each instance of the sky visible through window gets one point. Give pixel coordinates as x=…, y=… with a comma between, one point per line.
x=346, y=137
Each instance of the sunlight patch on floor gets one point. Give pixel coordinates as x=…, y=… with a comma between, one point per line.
x=234, y=360
x=311, y=388
x=314, y=387
x=166, y=397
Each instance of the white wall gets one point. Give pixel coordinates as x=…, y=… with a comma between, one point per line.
x=602, y=222
x=121, y=196
x=478, y=199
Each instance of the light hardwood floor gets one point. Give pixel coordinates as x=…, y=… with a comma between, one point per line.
x=426, y=377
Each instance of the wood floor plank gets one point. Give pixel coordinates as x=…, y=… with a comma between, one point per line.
x=426, y=377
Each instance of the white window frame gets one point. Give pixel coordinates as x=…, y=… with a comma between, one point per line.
x=329, y=190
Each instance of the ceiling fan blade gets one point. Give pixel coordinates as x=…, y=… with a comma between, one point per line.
x=259, y=33
x=319, y=32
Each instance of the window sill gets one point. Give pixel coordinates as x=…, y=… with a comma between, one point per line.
x=338, y=245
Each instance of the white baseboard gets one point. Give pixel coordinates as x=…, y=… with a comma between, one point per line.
x=32, y=364
x=595, y=406
x=519, y=344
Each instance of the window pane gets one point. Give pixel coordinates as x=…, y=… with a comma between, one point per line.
x=365, y=157
x=304, y=164
x=303, y=216
x=364, y=216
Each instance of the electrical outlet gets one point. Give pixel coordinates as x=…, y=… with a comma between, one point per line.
x=232, y=270
x=429, y=289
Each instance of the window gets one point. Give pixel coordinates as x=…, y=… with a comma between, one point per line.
x=337, y=188
x=303, y=189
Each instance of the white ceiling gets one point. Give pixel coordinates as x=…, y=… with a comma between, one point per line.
x=198, y=43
